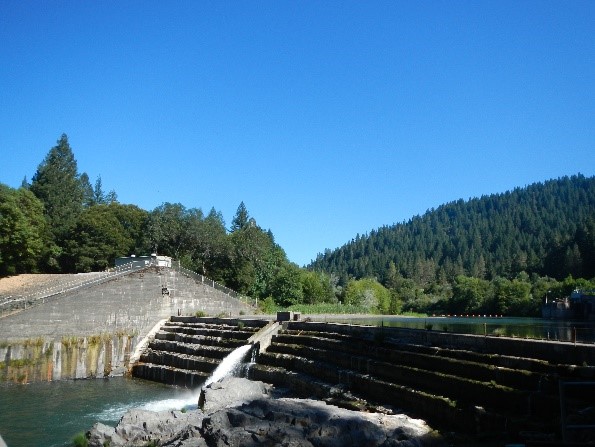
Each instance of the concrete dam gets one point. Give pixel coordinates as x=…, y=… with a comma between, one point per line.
x=486, y=386
x=91, y=325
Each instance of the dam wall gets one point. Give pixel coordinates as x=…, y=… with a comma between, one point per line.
x=94, y=331
x=546, y=350
x=461, y=383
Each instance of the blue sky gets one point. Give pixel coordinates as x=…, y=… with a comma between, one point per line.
x=327, y=119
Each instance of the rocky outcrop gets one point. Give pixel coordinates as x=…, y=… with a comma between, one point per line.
x=231, y=392
x=239, y=412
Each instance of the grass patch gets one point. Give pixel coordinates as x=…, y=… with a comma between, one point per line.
x=325, y=308
x=72, y=341
x=80, y=440
x=30, y=342
x=19, y=363
x=200, y=314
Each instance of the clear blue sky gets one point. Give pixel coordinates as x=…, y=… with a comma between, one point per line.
x=327, y=118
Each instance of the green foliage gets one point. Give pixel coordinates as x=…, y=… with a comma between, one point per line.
x=80, y=440
x=316, y=287
x=268, y=305
x=23, y=231
x=495, y=254
x=57, y=184
x=286, y=286
x=241, y=219
x=546, y=228
x=369, y=294
x=99, y=237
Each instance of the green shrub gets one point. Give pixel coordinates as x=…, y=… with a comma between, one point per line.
x=80, y=440
x=200, y=314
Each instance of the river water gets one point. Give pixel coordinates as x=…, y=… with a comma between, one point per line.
x=50, y=414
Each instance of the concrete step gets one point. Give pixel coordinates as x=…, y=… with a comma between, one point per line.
x=335, y=368
x=414, y=403
x=233, y=333
x=182, y=361
x=200, y=339
x=214, y=352
x=514, y=378
x=169, y=375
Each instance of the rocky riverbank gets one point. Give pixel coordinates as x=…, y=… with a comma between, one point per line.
x=242, y=413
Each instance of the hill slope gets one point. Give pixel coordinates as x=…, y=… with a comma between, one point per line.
x=545, y=228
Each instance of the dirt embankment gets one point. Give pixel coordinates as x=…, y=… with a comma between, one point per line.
x=26, y=283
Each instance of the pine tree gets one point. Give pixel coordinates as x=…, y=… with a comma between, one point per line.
x=241, y=219
x=57, y=184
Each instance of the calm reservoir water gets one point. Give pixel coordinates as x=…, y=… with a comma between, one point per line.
x=51, y=414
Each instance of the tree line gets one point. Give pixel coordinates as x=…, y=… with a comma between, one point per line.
x=496, y=254
x=500, y=253
x=60, y=223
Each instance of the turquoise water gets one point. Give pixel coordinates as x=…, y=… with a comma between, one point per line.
x=51, y=414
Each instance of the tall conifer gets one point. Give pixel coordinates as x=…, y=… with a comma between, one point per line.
x=57, y=184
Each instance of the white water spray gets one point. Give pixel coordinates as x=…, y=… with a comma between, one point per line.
x=229, y=365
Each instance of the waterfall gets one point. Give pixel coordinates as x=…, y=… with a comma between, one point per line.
x=230, y=365
x=233, y=364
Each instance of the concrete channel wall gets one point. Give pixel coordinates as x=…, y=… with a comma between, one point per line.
x=94, y=332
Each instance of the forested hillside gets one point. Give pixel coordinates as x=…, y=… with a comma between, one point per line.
x=545, y=228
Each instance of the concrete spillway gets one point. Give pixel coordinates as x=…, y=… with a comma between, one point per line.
x=187, y=350
x=463, y=383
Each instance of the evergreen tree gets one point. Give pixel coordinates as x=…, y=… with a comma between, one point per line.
x=57, y=184
x=88, y=198
x=98, y=195
x=241, y=218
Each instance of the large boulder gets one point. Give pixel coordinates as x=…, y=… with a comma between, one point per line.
x=140, y=427
x=309, y=423
x=242, y=413
x=231, y=392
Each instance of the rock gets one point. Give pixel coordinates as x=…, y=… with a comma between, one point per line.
x=102, y=434
x=231, y=392
x=308, y=423
x=242, y=413
x=139, y=427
